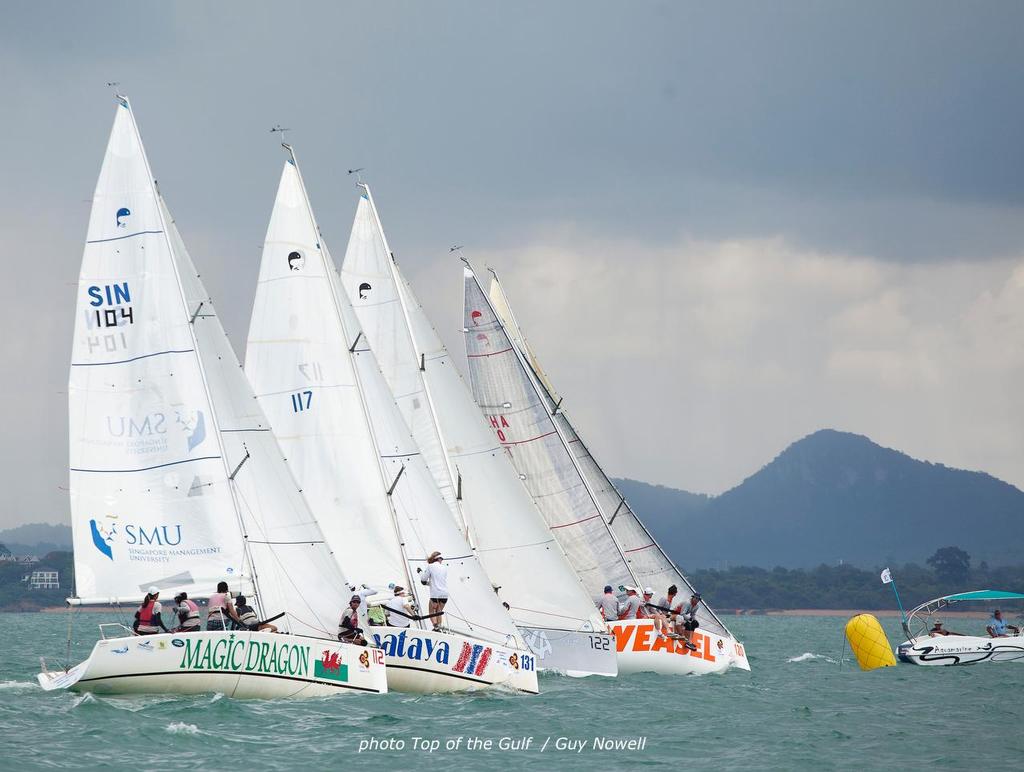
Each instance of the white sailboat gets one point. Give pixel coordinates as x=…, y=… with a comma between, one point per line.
x=547, y=600
x=360, y=469
x=603, y=538
x=176, y=480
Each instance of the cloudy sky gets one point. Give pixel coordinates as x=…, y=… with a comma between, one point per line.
x=722, y=225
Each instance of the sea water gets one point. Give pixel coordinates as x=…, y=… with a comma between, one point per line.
x=805, y=705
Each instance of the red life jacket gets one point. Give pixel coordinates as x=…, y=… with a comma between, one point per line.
x=146, y=613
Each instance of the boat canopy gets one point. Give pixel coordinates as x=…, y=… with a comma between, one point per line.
x=937, y=604
x=983, y=595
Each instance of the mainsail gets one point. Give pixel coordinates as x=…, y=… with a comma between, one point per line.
x=647, y=560
x=504, y=527
x=344, y=435
x=176, y=480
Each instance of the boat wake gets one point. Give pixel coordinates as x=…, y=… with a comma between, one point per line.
x=808, y=656
x=16, y=685
x=180, y=727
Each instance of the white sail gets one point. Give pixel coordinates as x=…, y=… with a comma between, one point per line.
x=343, y=420
x=648, y=561
x=176, y=480
x=508, y=533
x=523, y=425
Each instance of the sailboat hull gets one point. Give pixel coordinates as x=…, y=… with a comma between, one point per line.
x=426, y=662
x=640, y=650
x=242, y=664
x=571, y=652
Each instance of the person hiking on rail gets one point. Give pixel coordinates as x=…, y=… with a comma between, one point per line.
x=686, y=622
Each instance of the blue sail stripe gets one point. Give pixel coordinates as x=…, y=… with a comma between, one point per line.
x=118, y=238
x=146, y=468
x=134, y=359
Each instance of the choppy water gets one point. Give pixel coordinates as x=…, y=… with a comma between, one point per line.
x=798, y=709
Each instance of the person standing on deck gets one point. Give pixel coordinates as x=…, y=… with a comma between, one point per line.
x=436, y=578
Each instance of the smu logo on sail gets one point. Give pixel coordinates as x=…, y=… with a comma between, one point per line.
x=105, y=535
x=147, y=433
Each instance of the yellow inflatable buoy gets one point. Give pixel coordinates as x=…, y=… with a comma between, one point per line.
x=868, y=641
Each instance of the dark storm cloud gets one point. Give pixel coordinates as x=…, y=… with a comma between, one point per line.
x=890, y=131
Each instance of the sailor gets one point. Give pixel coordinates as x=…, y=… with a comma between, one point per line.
x=632, y=605
x=188, y=614
x=436, y=578
x=665, y=610
x=247, y=619
x=997, y=627
x=349, y=630
x=363, y=591
x=147, y=619
x=399, y=608
x=219, y=609
x=609, y=604
x=686, y=622
x=645, y=612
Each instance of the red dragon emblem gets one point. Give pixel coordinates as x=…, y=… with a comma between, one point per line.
x=331, y=661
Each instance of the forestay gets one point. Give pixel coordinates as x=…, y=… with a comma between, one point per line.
x=507, y=531
x=173, y=470
x=348, y=441
x=647, y=560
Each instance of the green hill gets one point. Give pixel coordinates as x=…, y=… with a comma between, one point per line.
x=832, y=497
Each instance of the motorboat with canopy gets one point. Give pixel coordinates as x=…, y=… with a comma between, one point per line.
x=925, y=646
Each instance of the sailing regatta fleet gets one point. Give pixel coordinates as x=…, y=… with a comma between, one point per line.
x=348, y=465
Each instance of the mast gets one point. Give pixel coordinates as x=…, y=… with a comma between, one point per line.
x=228, y=472
x=531, y=378
x=329, y=272
x=453, y=473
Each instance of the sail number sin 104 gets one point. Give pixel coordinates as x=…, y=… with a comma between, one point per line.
x=301, y=400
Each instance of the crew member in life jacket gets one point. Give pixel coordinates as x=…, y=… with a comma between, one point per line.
x=247, y=619
x=188, y=614
x=399, y=608
x=147, y=619
x=436, y=578
x=349, y=630
x=219, y=609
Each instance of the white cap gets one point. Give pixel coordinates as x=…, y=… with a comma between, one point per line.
x=648, y=591
x=154, y=590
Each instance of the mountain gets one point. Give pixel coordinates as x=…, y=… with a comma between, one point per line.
x=36, y=539
x=834, y=496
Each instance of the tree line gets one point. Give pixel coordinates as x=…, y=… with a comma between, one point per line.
x=946, y=572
